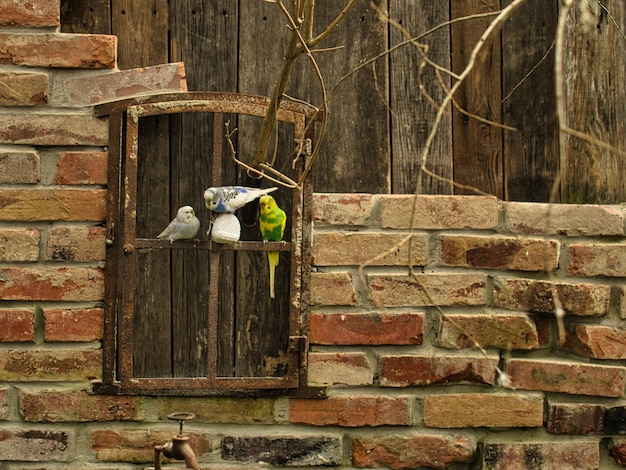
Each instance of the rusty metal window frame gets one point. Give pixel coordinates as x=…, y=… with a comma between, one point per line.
x=122, y=244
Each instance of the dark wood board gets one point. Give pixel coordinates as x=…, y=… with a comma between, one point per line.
x=85, y=16
x=477, y=145
x=412, y=112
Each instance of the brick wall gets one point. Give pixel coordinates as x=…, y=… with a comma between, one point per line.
x=464, y=365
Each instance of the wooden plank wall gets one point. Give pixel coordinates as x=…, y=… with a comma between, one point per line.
x=379, y=116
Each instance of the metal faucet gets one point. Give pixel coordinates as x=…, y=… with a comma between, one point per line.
x=179, y=447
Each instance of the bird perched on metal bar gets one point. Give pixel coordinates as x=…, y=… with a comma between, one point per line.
x=231, y=198
x=182, y=227
x=272, y=220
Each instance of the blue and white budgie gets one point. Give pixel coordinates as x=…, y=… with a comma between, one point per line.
x=183, y=227
x=231, y=198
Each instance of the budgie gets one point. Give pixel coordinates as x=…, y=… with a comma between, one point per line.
x=272, y=221
x=183, y=227
x=231, y=198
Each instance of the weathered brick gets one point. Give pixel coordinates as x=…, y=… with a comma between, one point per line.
x=53, y=129
x=561, y=455
x=502, y=331
x=38, y=13
x=82, y=168
x=563, y=219
x=37, y=445
x=567, y=377
x=69, y=284
x=19, y=245
x=439, y=212
x=304, y=451
x=617, y=450
x=412, y=451
x=350, y=248
x=586, y=418
x=374, y=328
x=352, y=411
x=499, y=252
x=17, y=167
x=52, y=205
x=62, y=50
x=138, y=446
x=598, y=259
x=82, y=324
x=23, y=89
x=396, y=370
x=600, y=342
x=218, y=410
x=332, y=289
x=50, y=406
x=4, y=403
x=536, y=296
x=396, y=290
x=126, y=83
x=76, y=243
x=50, y=365
x=349, y=368
x=342, y=209
x=491, y=410
x=16, y=325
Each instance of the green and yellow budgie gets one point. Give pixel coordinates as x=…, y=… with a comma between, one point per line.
x=272, y=221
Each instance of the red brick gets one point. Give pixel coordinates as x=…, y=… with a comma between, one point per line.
x=50, y=365
x=82, y=168
x=16, y=325
x=561, y=455
x=498, y=252
x=53, y=129
x=366, y=328
x=398, y=290
x=617, y=451
x=126, y=83
x=350, y=248
x=501, y=331
x=567, y=377
x=66, y=406
x=82, y=51
x=409, y=370
x=342, y=209
x=73, y=325
x=536, y=296
x=38, y=13
x=578, y=418
x=18, y=167
x=4, y=403
x=412, y=451
x=23, y=89
x=54, y=205
x=600, y=342
x=19, y=245
x=490, y=410
x=348, y=368
x=563, y=219
x=77, y=244
x=332, y=289
x=37, y=445
x=599, y=259
x=123, y=445
x=44, y=283
x=439, y=212
x=352, y=411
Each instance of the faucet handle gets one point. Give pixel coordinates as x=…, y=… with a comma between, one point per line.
x=181, y=417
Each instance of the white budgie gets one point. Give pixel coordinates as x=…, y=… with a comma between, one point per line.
x=183, y=227
x=231, y=198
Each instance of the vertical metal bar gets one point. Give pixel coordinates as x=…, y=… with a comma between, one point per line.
x=112, y=249
x=128, y=244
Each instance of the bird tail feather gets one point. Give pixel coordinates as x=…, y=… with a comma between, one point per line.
x=272, y=257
